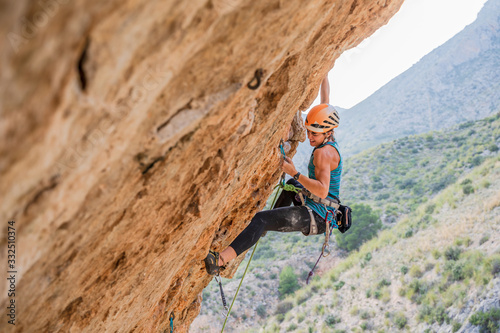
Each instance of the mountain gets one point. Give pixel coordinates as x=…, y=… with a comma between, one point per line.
x=456, y=82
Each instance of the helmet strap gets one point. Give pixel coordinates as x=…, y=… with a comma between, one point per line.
x=328, y=137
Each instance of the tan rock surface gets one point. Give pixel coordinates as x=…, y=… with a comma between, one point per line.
x=131, y=144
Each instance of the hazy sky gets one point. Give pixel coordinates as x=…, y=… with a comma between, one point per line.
x=419, y=27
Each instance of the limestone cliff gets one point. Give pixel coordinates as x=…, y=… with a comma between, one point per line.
x=131, y=143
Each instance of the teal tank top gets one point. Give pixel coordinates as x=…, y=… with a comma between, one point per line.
x=335, y=177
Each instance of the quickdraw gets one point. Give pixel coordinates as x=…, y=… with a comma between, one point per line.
x=224, y=303
x=282, y=149
x=326, y=245
x=172, y=317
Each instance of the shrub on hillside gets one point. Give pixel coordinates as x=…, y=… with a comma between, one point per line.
x=331, y=321
x=442, y=182
x=488, y=321
x=261, y=311
x=365, y=225
x=493, y=147
x=452, y=253
x=288, y=282
x=468, y=189
x=283, y=307
x=400, y=320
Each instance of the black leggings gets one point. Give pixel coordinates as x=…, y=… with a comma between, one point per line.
x=282, y=218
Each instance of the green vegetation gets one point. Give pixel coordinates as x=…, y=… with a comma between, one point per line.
x=400, y=320
x=488, y=322
x=288, y=282
x=399, y=176
x=261, y=311
x=367, y=224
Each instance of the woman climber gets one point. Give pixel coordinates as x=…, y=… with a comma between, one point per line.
x=323, y=183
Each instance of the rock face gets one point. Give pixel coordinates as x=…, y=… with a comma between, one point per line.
x=131, y=143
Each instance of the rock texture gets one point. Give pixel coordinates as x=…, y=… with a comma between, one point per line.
x=131, y=143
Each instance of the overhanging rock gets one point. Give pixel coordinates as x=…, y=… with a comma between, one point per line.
x=131, y=143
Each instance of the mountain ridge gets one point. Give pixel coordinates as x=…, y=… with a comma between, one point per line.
x=462, y=74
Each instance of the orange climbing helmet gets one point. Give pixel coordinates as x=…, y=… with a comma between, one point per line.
x=322, y=118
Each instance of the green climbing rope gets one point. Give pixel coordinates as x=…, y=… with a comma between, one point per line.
x=291, y=188
x=239, y=286
x=284, y=187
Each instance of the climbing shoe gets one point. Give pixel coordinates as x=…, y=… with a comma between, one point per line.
x=211, y=263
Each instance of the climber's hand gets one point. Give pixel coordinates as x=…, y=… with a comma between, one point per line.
x=288, y=167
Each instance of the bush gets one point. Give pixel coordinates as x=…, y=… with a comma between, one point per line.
x=364, y=315
x=407, y=184
x=477, y=160
x=493, y=147
x=484, y=239
x=430, y=208
x=440, y=315
x=400, y=320
x=466, y=181
x=382, y=196
x=331, y=321
x=261, y=311
x=384, y=283
x=417, y=290
x=292, y=327
x=456, y=326
x=302, y=296
x=283, y=307
x=265, y=251
x=488, y=321
x=365, y=226
x=452, y=253
x=404, y=270
x=468, y=189
x=416, y=272
x=425, y=313
x=338, y=285
x=288, y=282
x=458, y=272
x=494, y=264
x=441, y=182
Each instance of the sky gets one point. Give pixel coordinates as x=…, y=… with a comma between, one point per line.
x=419, y=27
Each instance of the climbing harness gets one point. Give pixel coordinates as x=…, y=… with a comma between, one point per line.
x=257, y=77
x=172, y=317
